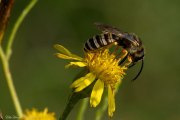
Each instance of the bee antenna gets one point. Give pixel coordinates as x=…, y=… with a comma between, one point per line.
x=132, y=64
x=142, y=65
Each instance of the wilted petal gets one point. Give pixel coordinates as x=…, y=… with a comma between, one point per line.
x=97, y=93
x=111, y=101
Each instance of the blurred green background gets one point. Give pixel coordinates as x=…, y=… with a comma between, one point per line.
x=41, y=80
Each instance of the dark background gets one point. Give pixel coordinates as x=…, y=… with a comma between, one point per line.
x=41, y=80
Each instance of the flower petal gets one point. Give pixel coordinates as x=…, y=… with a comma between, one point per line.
x=79, y=64
x=38, y=115
x=65, y=53
x=97, y=93
x=77, y=57
x=62, y=56
x=62, y=49
x=59, y=55
x=83, y=82
x=111, y=101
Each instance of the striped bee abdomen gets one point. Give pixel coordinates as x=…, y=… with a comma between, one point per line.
x=99, y=41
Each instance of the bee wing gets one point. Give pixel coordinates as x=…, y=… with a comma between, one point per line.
x=108, y=29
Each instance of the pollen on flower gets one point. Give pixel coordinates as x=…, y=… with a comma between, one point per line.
x=103, y=68
x=38, y=115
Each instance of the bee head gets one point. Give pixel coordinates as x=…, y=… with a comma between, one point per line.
x=131, y=40
x=135, y=39
x=138, y=55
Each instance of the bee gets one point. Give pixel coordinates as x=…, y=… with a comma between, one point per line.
x=112, y=35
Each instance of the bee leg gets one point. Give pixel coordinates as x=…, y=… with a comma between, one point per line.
x=123, y=53
x=94, y=56
x=124, y=59
x=115, y=49
x=129, y=61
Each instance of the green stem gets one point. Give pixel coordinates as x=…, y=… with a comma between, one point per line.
x=16, y=27
x=74, y=98
x=5, y=58
x=10, y=83
x=82, y=109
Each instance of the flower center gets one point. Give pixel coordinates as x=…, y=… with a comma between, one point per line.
x=105, y=66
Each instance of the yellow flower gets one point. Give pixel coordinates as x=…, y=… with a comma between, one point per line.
x=103, y=69
x=38, y=115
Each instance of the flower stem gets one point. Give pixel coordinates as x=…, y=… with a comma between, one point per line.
x=82, y=109
x=10, y=83
x=5, y=58
x=16, y=27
